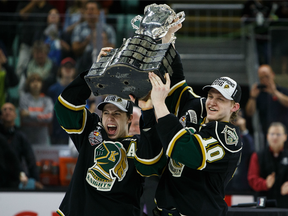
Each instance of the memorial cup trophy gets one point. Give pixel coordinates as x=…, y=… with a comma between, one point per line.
x=124, y=70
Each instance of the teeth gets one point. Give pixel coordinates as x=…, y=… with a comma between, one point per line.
x=111, y=125
x=212, y=109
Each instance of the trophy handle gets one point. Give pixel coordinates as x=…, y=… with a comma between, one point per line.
x=181, y=16
x=136, y=18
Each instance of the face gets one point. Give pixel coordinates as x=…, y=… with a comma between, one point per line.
x=134, y=127
x=67, y=71
x=92, y=12
x=115, y=121
x=8, y=113
x=40, y=56
x=265, y=75
x=218, y=107
x=276, y=138
x=35, y=86
x=53, y=16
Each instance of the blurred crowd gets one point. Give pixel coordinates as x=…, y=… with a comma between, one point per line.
x=60, y=39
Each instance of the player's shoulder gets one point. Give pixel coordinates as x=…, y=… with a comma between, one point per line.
x=227, y=134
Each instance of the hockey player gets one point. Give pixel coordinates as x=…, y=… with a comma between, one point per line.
x=202, y=146
x=105, y=180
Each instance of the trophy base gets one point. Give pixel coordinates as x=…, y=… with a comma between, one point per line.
x=125, y=70
x=123, y=80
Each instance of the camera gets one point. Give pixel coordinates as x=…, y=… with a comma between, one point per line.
x=261, y=86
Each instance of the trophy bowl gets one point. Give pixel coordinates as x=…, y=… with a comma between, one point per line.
x=124, y=70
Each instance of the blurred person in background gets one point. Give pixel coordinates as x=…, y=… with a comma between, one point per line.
x=52, y=36
x=268, y=169
x=36, y=111
x=259, y=13
x=74, y=15
x=20, y=145
x=9, y=166
x=134, y=127
x=42, y=65
x=66, y=75
x=32, y=17
x=269, y=99
x=90, y=36
x=8, y=77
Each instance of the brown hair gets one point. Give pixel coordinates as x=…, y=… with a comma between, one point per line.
x=30, y=79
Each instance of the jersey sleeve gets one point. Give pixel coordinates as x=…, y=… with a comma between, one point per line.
x=149, y=158
x=70, y=109
x=204, y=149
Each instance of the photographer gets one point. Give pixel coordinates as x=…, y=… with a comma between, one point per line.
x=271, y=101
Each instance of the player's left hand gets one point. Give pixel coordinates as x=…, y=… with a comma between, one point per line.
x=104, y=52
x=159, y=89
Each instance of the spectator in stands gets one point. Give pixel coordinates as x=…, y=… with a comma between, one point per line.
x=134, y=127
x=9, y=166
x=90, y=36
x=20, y=145
x=258, y=12
x=74, y=15
x=30, y=20
x=42, y=65
x=8, y=78
x=268, y=169
x=36, y=111
x=239, y=182
x=270, y=100
x=52, y=35
x=66, y=75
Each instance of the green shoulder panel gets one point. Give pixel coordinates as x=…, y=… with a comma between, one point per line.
x=71, y=118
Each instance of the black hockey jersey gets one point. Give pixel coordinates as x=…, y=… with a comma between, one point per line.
x=105, y=180
x=201, y=157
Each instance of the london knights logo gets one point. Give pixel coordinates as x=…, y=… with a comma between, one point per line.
x=231, y=137
x=110, y=164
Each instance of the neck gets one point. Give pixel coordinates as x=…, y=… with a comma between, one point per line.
x=8, y=124
x=64, y=81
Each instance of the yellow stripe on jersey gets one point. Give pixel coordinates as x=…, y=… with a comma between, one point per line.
x=150, y=161
x=203, y=150
x=69, y=105
x=179, y=99
x=173, y=141
x=176, y=86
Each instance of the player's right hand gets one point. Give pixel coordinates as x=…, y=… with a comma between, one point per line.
x=104, y=52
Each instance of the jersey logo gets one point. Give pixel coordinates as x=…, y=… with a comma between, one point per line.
x=175, y=168
x=110, y=164
x=231, y=137
x=190, y=116
x=95, y=137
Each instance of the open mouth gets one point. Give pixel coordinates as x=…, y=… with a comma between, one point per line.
x=111, y=129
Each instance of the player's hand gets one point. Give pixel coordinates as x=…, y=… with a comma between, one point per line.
x=284, y=188
x=159, y=89
x=104, y=52
x=270, y=180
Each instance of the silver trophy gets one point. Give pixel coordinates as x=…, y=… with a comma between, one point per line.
x=125, y=70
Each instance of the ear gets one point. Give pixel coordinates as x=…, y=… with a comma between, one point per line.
x=235, y=107
x=130, y=119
